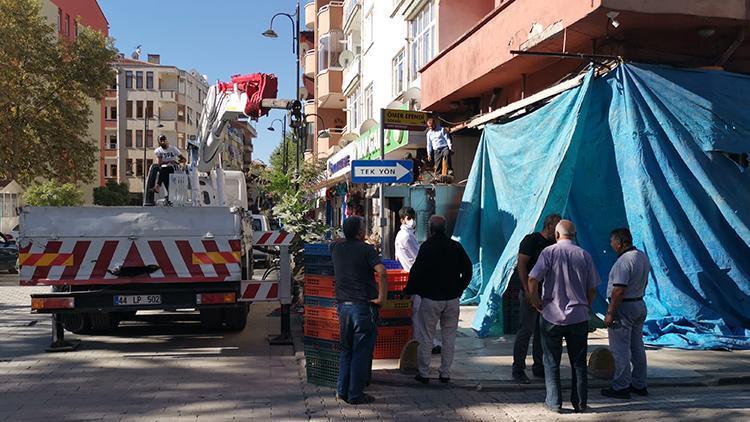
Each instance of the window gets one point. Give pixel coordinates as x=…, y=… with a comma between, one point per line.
x=181, y=85
x=112, y=143
x=149, y=109
x=180, y=113
x=369, y=112
x=128, y=79
x=139, y=109
x=139, y=167
x=59, y=20
x=113, y=170
x=67, y=24
x=149, y=163
x=139, y=79
x=329, y=50
x=355, y=109
x=112, y=113
x=181, y=140
x=139, y=139
x=397, y=75
x=368, y=30
x=149, y=80
x=129, y=138
x=189, y=116
x=422, y=33
x=129, y=109
x=149, y=138
x=129, y=167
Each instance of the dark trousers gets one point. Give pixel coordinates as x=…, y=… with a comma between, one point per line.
x=576, y=339
x=164, y=172
x=443, y=155
x=358, y=331
x=529, y=325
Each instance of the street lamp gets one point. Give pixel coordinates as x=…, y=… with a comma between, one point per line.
x=147, y=117
x=270, y=33
x=283, y=139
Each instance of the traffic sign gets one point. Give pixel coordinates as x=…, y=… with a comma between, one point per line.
x=404, y=119
x=382, y=171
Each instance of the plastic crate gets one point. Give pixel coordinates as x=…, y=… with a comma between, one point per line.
x=397, y=280
x=318, y=260
x=326, y=292
x=322, y=323
x=321, y=313
x=392, y=264
x=322, y=367
x=323, y=281
x=390, y=341
x=318, y=249
x=397, y=295
x=319, y=269
x=328, y=333
x=395, y=313
x=320, y=302
x=394, y=322
x=316, y=343
x=397, y=304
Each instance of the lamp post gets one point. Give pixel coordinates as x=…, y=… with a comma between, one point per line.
x=283, y=140
x=270, y=33
x=147, y=117
x=323, y=134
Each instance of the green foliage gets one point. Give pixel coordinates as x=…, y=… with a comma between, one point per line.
x=47, y=87
x=277, y=156
x=112, y=194
x=53, y=194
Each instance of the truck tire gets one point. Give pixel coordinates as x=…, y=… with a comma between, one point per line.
x=236, y=318
x=211, y=319
x=77, y=323
x=103, y=322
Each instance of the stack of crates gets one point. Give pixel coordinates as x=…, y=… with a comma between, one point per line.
x=321, y=322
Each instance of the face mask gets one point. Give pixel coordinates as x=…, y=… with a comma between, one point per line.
x=411, y=223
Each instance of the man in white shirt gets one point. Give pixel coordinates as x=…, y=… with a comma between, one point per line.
x=440, y=146
x=166, y=154
x=407, y=249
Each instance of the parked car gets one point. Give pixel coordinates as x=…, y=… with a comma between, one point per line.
x=261, y=258
x=13, y=234
x=8, y=255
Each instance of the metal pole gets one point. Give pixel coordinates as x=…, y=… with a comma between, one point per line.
x=283, y=139
x=382, y=194
x=145, y=129
x=299, y=83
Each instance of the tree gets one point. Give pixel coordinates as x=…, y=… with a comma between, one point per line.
x=112, y=194
x=52, y=193
x=277, y=156
x=46, y=88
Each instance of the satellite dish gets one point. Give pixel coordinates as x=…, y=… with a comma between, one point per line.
x=412, y=93
x=303, y=93
x=367, y=125
x=345, y=58
x=395, y=104
x=348, y=138
x=304, y=48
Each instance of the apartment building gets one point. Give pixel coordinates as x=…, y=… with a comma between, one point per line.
x=148, y=99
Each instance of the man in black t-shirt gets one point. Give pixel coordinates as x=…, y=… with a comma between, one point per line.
x=357, y=302
x=528, y=253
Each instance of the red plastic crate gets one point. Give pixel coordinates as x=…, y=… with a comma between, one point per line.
x=321, y=281
x=322, y=323
x=320, y=291
x=390, y=341
x=321, y=313
x=395, y=313
x=322, y=333
x=397, y=280
x=397, y=304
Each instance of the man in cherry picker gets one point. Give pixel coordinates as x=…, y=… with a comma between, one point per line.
x=168, y=157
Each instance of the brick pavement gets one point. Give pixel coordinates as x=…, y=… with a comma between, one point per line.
x=174, y=371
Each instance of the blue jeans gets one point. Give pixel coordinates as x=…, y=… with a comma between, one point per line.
x=358, y=330
x=576, y=339
x=626, y=344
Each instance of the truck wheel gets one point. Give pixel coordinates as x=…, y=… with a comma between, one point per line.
x=103, y=322
x=236, y=318
x=77, y=323
x=211, y=319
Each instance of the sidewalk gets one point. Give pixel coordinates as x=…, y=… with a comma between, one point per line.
x=485, y=363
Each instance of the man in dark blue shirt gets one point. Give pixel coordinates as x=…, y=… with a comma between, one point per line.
x=357, y=302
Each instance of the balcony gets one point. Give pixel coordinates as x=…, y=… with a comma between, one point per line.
x=110, y=94
x=350, y=74
x=309, y=62
x=310, y=15
x=329, y=90
x=310, y=107
x=351, y=12
x=330, y=17
x=110, y=124
x=168, y=95
x=330, y=145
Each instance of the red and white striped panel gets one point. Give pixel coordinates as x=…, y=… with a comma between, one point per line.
x=274, y=238
x=179, y=260
x=258, y=291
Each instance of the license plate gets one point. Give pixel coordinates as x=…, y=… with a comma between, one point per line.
x=138, y=300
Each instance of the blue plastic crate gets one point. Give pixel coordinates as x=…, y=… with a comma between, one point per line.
x=323, y=249
x=321, y=302
x=319, y=269
x=392, y=264
x=318, y=260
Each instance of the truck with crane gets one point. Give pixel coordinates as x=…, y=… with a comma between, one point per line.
x=192, y=249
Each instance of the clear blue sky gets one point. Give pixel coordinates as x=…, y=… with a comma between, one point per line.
x=219, y=38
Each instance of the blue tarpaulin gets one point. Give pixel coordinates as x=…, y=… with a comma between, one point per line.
x=656, y=149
